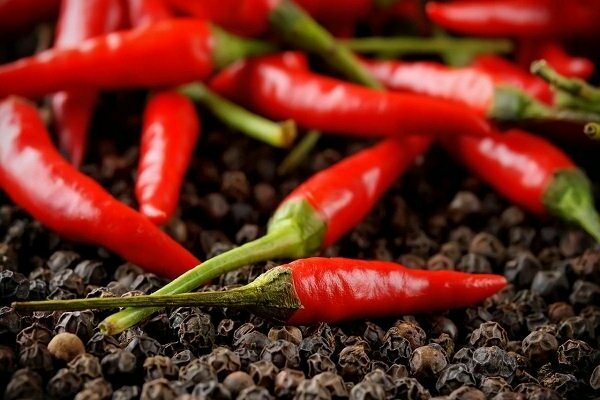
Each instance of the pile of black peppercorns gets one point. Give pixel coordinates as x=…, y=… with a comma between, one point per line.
x=538, y=339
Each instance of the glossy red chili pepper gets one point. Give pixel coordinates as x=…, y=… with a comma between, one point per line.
x=117, y=59
x=72, y=204
x=170, y=132
x=520, y=18
x=19, y=15
x=169, y=135
x=530, y=172
x=482, y=86
x=319, y=102
x=80, y=20
x=315, y=290
x=315, y=215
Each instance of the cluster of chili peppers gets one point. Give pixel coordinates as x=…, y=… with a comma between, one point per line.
x=183, y=52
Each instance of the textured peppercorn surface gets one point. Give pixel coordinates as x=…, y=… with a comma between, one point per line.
x=539, y=338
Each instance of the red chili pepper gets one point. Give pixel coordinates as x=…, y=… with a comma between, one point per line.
x=169, y=135
x=532, y=173
x=313, y=216
x=170, y=132
x=168, y=53
x=319, y=102
x=39, y=180
x=19, y=15
x=518, y=18
x=80, y=20
x=492, y=87
x=316, y=290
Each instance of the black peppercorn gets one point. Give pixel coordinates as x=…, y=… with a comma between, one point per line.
x=282, y=353
x=13, y=286
x=453, y=377
x=489, y=334
x=263, y=373
x=290, y=333
x=493, y=361
x=223, y=361
x=318, y=363
x=159, y=367
x=539, y=346
x=310, y=389
x=410, y=389
x=195, y=372
x=24, y=384
x=158, y=389
x=64, y=384
x=255, y=393
x=427, y=361
x=211, y=390
x=367, y=391
x=86, y=366
x=37, y=357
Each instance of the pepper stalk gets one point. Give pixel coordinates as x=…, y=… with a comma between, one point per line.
x=238, y=118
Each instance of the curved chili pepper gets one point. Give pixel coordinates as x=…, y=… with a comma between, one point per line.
x=72, y=204
x=520, y=18
x=319, y=102
x=531, y=172
x=171, y=52
x=170, y=132
x=80, y=20
x=315, y=290
x=19, y=15
x=314, y=215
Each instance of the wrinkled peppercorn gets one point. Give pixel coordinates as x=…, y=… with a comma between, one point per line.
x=263, y=373
x=353, y=363
x=453, y=377
x=282, y=353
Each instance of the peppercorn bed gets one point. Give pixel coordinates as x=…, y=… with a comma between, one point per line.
x=538, y=339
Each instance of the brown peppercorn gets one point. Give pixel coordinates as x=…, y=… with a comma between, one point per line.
x=237, y=381
x=66, y=346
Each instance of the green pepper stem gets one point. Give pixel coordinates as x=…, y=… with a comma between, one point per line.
x=295, y=231
x=229, y=48
x=271, y=295
x=240, y=119
x=569, y=196
x=592, y=130
x=435, y=45
x=573, y=86
x=301, y=30
x=512, y=104
x=299, y=152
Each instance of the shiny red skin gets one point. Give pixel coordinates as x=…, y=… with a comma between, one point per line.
x=170, y=132
x=518, y=18
x=171, y=52
x=338, y=289
x=517, y=164
x=251, y=17
x=37, y=178
x=344, y=193
x=17, y=16
x=474, y=86
x=147, y=12
x=78, y=21
x=331, y=105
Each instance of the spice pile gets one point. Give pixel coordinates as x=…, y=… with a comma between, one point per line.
x=476, y=292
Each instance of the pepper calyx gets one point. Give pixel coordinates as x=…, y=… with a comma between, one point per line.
x=228, y=48
x=297, y=216
x=569, y=196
